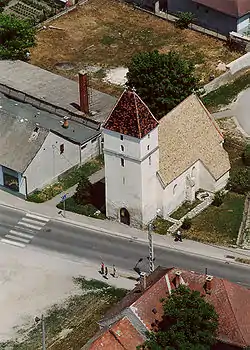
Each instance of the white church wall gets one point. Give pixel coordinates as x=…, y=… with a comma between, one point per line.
x=222, y=182
x=175, y=193
x=149, y=187
x=149, y=143
x=114, y=141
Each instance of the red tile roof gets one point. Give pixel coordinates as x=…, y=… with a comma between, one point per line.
x=121, y=336
x=235, y=8
x=131, y=116
x=231, y=301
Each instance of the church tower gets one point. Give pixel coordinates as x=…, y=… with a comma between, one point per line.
x=131, y=156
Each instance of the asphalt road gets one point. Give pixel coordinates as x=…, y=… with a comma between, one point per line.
x=96, y=246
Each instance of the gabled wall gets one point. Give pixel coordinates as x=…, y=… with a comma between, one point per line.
x=48, y=163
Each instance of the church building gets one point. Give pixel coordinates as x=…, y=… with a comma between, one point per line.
x=152, y=166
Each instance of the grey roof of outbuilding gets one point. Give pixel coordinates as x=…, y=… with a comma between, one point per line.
x=52, y=88
x=76, y=132
x=16, y=148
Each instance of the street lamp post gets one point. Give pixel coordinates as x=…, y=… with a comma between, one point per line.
x=38, y=319
x=151, y=248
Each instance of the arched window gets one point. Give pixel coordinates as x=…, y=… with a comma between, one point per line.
x=174, y=189
x=122, y=148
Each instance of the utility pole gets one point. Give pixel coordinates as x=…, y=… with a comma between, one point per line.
x=38, y=319
x=151, y=249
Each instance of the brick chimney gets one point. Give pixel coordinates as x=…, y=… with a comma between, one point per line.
x=208, y=284
x=177, y=279
x=143, y=280
x=83, y=90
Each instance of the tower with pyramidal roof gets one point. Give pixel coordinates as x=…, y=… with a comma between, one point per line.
x=131, y=157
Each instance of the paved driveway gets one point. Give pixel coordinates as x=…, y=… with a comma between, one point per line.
x=239, y=109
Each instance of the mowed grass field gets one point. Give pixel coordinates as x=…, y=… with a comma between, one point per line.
x=108, y=33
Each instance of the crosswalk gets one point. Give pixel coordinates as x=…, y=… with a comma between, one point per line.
x=22, y=233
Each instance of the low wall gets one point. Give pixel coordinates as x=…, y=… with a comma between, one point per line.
x=234, y=69
x=243, y=235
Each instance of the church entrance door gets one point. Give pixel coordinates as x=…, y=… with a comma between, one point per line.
x=124, y=216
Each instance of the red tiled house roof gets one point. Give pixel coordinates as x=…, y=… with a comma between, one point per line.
x=231, y=301
x=121, y=336
x=131, y=116
x=234, y=8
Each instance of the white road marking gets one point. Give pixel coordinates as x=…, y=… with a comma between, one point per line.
x=7, y=241
x=37, y=217
x=29, y=230
x=30, y=226
x=17, y=238
x=33, y=221
x=25, y=235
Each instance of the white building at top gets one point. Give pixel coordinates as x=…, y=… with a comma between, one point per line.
x=153, y=166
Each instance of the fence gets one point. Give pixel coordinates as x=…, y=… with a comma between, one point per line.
x=245, y=223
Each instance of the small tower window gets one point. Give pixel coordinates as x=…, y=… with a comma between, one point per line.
x=122, y=148
x=123, y=180
x=121, y=137
x=122, y=162
x=62, y=148
x=148, y=147
x=149, y=160
x=148, y=136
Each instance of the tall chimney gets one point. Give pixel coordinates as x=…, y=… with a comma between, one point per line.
x=143, y=280
x=177, y=279
x=83, y=90
x=208, y=284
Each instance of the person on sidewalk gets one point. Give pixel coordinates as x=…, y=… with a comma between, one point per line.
x=178, y=236
x=102, y=268
x=106, y=272
x=114, y=271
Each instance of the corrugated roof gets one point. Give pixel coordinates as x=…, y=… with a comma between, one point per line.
x=235, y=8
x=52, y=88
x=131, y=116
x=17, y=147
x=121, y=336
x=187, y=134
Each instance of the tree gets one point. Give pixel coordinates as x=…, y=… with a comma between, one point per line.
x=16, y=37
x=239, y=180
x=161, y=80
x=185, y=18
x=83, y=191
x=246, y=155
x=191, y=323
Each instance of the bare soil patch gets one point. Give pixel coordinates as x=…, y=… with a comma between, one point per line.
x=108, y=33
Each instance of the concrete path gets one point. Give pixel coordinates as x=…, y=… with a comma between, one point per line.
x=240, y=110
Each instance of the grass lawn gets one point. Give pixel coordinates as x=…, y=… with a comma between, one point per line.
x=225, y=94
x=161, y=226
x=219, y=225
x=107, y=33
x=69, y=179
x=71, y=324
x=184, y=209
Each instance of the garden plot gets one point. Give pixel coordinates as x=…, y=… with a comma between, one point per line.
x=108, y=33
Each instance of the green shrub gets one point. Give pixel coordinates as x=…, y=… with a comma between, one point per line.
x=218, y=198
x=239, y=181
x=246, y=155
x=35, y=197
x=86, y=209
x=187, y=223
x=185, y=18
x=83, y=191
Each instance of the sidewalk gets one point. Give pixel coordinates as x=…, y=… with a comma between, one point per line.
x=121, y=230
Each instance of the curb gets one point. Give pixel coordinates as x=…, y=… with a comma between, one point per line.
x=128, y=237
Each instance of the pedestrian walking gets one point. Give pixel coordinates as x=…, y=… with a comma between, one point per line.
x=114, y=271
x=179, y=236
x=102, y=268
x=106, y=272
